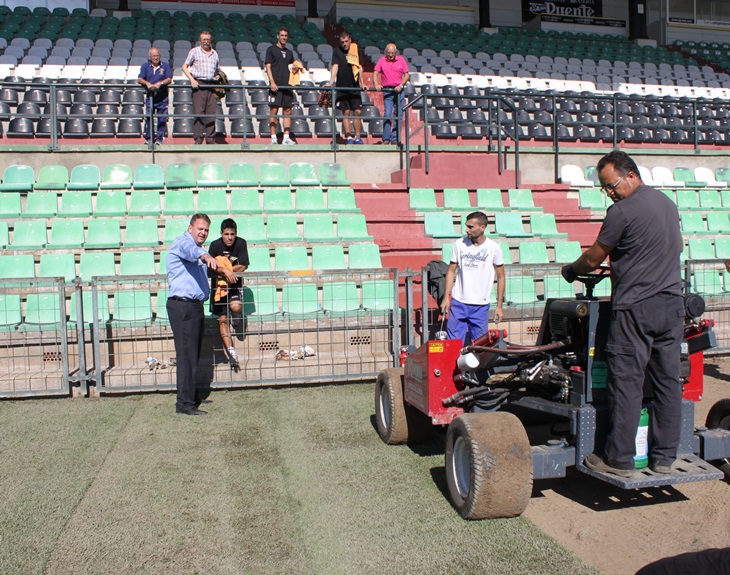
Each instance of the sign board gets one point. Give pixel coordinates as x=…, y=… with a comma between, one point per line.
x=558, y=8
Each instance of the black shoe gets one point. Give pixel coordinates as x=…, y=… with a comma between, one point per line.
x=662, y=468
x=597, y=464
x=191, y=412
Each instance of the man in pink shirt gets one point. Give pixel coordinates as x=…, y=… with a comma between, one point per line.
x=391, y=75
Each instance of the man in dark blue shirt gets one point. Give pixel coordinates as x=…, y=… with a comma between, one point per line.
x=155, y=75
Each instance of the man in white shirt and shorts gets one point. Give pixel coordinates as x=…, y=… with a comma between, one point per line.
x=475, y=261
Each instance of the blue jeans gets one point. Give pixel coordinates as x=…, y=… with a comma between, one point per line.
x=463, y=316
x=390, y=126
x=160, y=119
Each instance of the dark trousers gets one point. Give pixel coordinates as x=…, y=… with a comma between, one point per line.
x=205, y=106
x=160, y=120
x=187, y=320
x=643, y=345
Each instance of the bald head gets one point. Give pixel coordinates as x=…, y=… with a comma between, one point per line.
x=153, y=55
x=390, y=51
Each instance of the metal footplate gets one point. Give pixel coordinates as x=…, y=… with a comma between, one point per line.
x=686, y=469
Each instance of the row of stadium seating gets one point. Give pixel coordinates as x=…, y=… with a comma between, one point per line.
x=663, y=177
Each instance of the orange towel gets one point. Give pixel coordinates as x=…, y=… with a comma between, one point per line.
x=353, y=58
x=221, y=285
x=294, y=73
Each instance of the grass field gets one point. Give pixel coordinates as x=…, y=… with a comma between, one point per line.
x=291, y=481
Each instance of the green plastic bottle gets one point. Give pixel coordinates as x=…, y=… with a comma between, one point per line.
x=641, y=459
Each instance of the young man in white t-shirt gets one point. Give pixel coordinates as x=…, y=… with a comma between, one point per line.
x=475, y=261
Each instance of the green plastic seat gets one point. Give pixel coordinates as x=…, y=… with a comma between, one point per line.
x=52, y=177
x=10, y=206
x=446, y=250
x=520, y=290
x=282, y=228
x=179, y=176
x=567, y=251
x=162, y=262
x=84, y=177
x=328, y=257
x=175, y=227
x=378, y=296
x=521, y=199
x=42, y=311
x=291, y=258
x=116, y=177
x=75, y=204
x=341, y=200
x=141, y=232
x=688, y=200
x=319, y=228
x=300, y=301
x=18, y=266
x=718, y=222
x=41, y=205
x=87, y=307
x=333, y=175
x=243, y=175
x=137, y=263
x=272, y=175
x=686, y=175
x=707, y=281
x=693, y=224
x=179, y=202
x=710, y=200
x=701, y=249
x=148, y=177
x=303, y=174
x=144, y=203
x=722, y=174
x=506, y=252
x=340, y=298
x=309, y=200
x=252, y=229
x=94, y=264
x=556, y=287
x=10, y=312
x=29, y=235
x=363, y=256
x=212, y=201
x=66, y=234
x=212, y=176
x=509, y=224
x=111, y=203
x=246, y=201
x=544, y=225
x=103, y=233
x=457, y=199
x=440, y=225
x=260, y=302
x=422, y=199
x=722, y=248
x=533, y=252
x=353, y=227
x=278, y=201
x=259, y=260
x=4, y=234
x=669, y=194
x=17, y=178
x=490, y=200
x=57, y=265
x=132, y=308
x=591, y=199
x=160, y=310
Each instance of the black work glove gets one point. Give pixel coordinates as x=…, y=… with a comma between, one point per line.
x=568, y=273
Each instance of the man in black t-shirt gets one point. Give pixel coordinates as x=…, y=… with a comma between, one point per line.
x=642, y=235
x=346, y=71
x=278, y=61
x=226, y=296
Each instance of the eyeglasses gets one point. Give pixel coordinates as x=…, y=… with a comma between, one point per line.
x=608, y=188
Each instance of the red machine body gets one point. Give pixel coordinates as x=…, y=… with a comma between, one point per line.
x=698, y=337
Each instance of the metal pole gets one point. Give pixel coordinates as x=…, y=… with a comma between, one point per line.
x=53, y=128
x=244, y=116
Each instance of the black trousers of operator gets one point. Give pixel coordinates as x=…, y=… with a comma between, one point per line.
x=205, y=107
x=187, y=320
x=644, y=344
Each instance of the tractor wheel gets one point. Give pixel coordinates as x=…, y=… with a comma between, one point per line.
x=397, y=422
x=719, y=418
x=488, y=465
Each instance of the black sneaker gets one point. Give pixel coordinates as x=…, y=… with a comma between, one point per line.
x=662, y=468
x=597, y=464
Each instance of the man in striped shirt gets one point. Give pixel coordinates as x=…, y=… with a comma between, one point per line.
x=201, y=67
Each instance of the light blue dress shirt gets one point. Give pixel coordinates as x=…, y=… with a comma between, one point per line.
x=187, y=275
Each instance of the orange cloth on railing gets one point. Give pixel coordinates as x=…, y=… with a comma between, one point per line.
x=294, y=73
x=221, y=285
x=353, y=58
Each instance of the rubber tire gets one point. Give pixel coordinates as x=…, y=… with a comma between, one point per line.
x=396, y=421
x=719, y=418
x=488, y=465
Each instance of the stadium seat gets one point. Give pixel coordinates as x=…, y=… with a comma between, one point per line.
x=42, y=311
x=179, y=202
x=509, y=224
x=353, y=227
x=214, y=201
x=260, y=302
x=301, y=301
x=544, y=225
x=10, y=206
x=259, y=260
x=144, y=203
x=328, y=257
x=272, y=174
x=96, y=264
x=75, y=204
x=378, y=296
x=333, y=175
x=722, y=248
x=141, y=232
x=282, y=228
x=422, y=199
x=18, y=178
x=4, y=234
x=521, y=199
x=718, y=222
x=664, y=178
x=117, y=177
x=111, y=203
x=87, y=307
x=278, y=200
x=319, y=228
x=707, y=282
x=721, y=175
x=341, y=200
x=41, y=205
x=10, y=312
x=252, y=229
x=701, y=249
x=132, y=308
x=340, y=299
x=148, y=177
x=52, y=177
x=18, y=266
x=556, y=287
x=57, y=265
x=309, y=200
x=66, y=234
x=573, y=175
x=567, y=251
x=592, y=199
x=137, y=263
x=246, y=201
x=711, y=200
x=291, y=258
x=520, y=291
x=707, y=176
x=363, y=256
x=180, y=176
x=693, y=224
x=533, y=252
x=243, y=176
x=506, y=252
x=302, y=174
x=212, y=176
x=29, y=235
x=457, y=199
x=175, y=227
x=440, y=225
x=162, y=267
x=687, y=176
x=103, y=233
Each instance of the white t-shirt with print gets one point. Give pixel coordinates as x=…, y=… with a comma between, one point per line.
x=475, y=276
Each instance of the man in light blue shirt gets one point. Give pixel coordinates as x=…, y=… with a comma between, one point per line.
x=187, y=276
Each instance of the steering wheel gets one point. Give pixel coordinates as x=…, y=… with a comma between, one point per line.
x=592, y=279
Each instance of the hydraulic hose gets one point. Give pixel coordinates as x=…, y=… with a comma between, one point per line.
x=518, y=350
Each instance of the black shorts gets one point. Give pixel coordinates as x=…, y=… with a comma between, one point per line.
x=349, y=101
x=220, y=307
x=281, y=99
